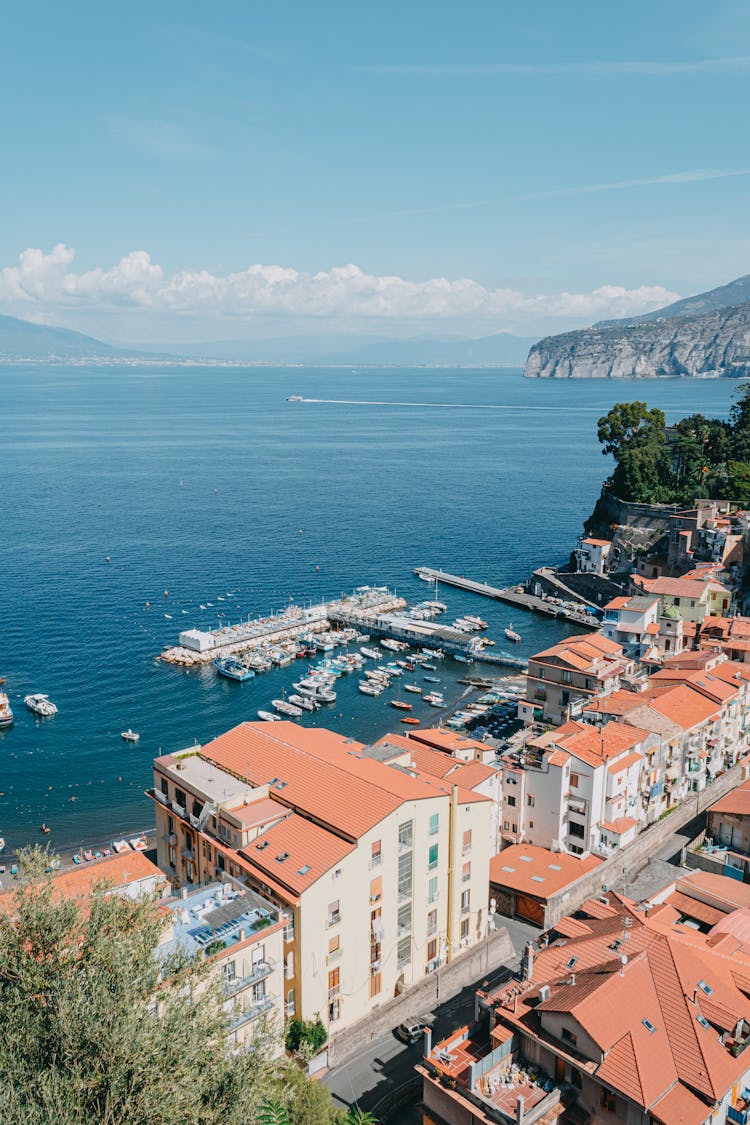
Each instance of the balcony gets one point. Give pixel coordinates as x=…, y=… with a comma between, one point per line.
x=404, y=897
x=179, y=810
x=161, y=797
x=404, y=848
x=334, y=992
x=376, y=861
x=466, y=909
x=258, y=972
x=331, y=958
x=334, y=919
x=256, y=1009
x=577, y=805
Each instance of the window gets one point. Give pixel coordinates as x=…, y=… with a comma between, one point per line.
x=338, y=873
x=465, y=902
x=530, y=801
x=376, y=854
x=432, y=923
x=432, y=890
x=434, y=824
x=566, y=677
x=511, y=801
x=568, y=1036
x=334, y=913
x=180, y=798
x=170, y=825
x=259, y=992
x=464, y=928
x=466, y=873
x=404, y=951
x=289, y=929
x=334, y=1010
x=574, y=780
x=165, y=786
x=432, y=949
x=433, y=857
x=172, y=856
x=334, y=944
x=258, y=955
x=376, y=982
x=575, y=849
x=334, y=982
x=467, y=841
x=197, y=808
x=608, y=1101
x=578, y=830
x=376, y=889
x=229, y=972
x=531, y=824
x=405, y=834
x=506, y=825
x=290, y=1002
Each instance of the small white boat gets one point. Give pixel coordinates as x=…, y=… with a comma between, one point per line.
x=303, y=701
x=6, y=713
x=413, y=687
x=285, y=708
x=2, y=843
x=129, y=735
x=268, y=717
x=40, y=705
x=511, y=633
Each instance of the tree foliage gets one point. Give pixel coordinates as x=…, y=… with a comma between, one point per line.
x=698, y=457
x=96, y=1026
x=305, y=1037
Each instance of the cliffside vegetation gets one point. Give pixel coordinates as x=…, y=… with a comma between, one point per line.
x=698, y=457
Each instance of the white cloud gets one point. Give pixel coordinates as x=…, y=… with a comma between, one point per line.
x=46, y=284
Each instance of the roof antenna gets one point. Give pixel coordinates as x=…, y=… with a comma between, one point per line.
x=623, y=963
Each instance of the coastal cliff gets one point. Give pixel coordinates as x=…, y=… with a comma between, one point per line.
x=710, y=344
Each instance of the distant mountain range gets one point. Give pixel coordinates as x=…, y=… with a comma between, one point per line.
x=38, y=343
x=699, y=337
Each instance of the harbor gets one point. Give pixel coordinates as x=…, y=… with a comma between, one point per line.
x=513, y=595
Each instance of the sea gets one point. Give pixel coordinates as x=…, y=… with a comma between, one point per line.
x=205, y=486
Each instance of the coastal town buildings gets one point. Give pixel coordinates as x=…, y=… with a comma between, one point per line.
x=569, y=673
x=621, y=1014
x=690, y=598
x=378, y=864
x=591, y=555
x=728, y=821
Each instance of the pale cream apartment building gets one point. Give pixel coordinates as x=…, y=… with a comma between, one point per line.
x=380, y=869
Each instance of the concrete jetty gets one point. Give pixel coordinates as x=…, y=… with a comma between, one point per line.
x=511, y=595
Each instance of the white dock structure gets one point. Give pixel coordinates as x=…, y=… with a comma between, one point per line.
x=197, y=646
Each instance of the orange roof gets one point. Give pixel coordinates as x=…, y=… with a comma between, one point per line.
x=285, y=850
x=679, y=1106
x=620, y=825
x=258, y=812
x=723, y=888
x=617, y=603
x=571, y=927
x=537, y=871
x=683, y=705
x=435, y=763
x=692, y=908
x=121, y=870
x=625, y=763
x=447, y=740
x=684, y=587
x=581, y=651
x=652, y=629
x=736, y=803
x=598, y=542
x=641, y=1013
x=595, y=745
x=715, y=687
x=558, y=758
x=737, y=925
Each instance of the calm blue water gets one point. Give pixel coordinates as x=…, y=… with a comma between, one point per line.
x=91, y=465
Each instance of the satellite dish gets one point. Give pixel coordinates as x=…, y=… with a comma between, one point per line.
x=623, y=959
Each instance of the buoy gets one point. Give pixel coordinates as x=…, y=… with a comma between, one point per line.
x=148, y=605
x=166, y=593
x=216, y=492
x=300, y=531
x=108, y=559
x=317, y=568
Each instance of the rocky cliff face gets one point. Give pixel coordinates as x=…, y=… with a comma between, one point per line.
x=715, y=343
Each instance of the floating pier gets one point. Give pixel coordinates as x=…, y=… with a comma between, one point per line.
x=511, y=595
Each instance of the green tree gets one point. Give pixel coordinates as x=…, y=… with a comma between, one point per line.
x=636, y=437
x=97, y=1025
x=305, y=1037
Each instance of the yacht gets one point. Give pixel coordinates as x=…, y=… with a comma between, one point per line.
x=233, y=669
x=6, y=714
x=294, y=398
x=511, y=633
x=129, y=735
x=40, y=705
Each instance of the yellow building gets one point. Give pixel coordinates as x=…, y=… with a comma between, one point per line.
x=381, y=869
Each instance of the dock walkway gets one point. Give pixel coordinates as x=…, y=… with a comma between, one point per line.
x=511, y=595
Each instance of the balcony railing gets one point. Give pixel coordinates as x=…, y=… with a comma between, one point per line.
x=404, y=896
x=256, y=1009
x=334, y=919
x=179, y=809
x=260, y=970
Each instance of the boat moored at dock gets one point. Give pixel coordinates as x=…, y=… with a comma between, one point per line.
x=233, y=669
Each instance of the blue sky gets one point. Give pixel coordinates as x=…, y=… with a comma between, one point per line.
x=484, y=166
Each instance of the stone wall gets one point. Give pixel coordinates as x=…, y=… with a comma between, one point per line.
x=468, y=968
x=632, y=858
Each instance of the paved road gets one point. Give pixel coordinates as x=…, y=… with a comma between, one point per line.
x=368, y=1076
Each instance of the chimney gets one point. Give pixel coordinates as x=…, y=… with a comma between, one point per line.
x=519, y=1110
x=241, y=934
x=183, y=893
x=427, y=1042
x=527, y=962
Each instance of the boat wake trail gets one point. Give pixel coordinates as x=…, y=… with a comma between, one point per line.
x=429, y=405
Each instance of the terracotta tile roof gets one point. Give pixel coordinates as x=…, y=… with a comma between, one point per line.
x=595, y=745
x=571, y=927
x=598, y=910
x=625, y=763
x=642, y=1014
x=258, y=812
x=692, y=908
x=684, y=587
x=714, y=687
x=121, y=870
x=683, y=705
x=435, y=763
x=447, y=740
x=617, y=603
x=598, y=542
x=537, y=871
x=304, y=845
x=736, y=803
x=620, y=825
x=558, y=758
x=737, y=925
x=312, y=767
x=582, y=652
x=680, y=1107
x=722, y=888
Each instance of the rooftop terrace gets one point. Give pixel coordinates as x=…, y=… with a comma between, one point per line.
x=219, y=912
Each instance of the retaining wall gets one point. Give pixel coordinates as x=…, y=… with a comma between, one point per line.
x=434, y=989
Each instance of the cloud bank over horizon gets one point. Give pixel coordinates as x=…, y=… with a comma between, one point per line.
x=45, y=286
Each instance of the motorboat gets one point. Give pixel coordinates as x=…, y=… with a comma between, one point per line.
x=268, y=717
x=434, y=698
x=367, y=687
x=511, y=633
x=40, y=705
x=431, y=679
x=294, y=398
x=233, y=669
x=370, y=653
x=6, y=714
x=410, y=721
x=413, y=687
x=400, y=705
x=303, y=701
x=285, y=708
x=129, y=735
x=428, y=667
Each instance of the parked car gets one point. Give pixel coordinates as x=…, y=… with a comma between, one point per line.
x=413, y=1028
